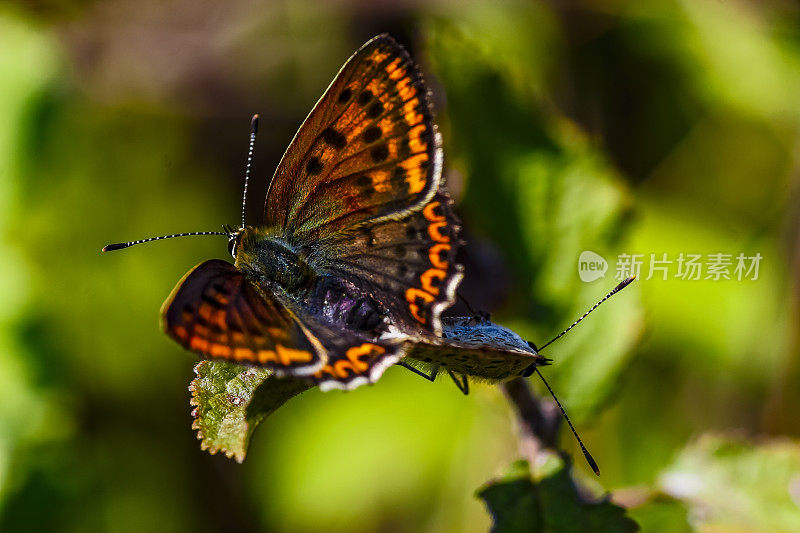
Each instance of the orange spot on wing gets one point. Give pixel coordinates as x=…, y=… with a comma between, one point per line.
x=415, y=177
x=289, y=355
x=276, y=332
x=380, y=181
x=415, y=141
x=206, y=312
x=199, y=344
x=378, y=56
x=430, y=212
x=220, y=299
x=202, y=331
x=386, y=124
x=434, y=255
x=427, y=279
x=435, y=234
x=391, y=68
x=348, y=117
x=241, y=354
x=410, y=112
x=220, y=350
x=397, y=74
x=340, y=368
x=355, y=354
x=265, y=356
x=212, y=315
x=412, y=295
x=376, y=88
x=406, y=92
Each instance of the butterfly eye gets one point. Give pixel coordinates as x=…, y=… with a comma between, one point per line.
x=232, y=247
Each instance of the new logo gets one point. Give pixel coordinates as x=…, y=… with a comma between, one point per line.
x=591, y=266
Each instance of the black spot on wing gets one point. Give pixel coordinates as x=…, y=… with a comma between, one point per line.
x=365, y=97
x=372, y=134
x=345, y=95
x=374, y=109
x=379, y=153
x=314, y=166
x=210, y=300
x=334, y=138
x=364, y=182
x=398, y=177
x=403, y=148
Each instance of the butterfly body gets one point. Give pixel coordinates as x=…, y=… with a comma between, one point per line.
x=303, y=277
x=477, y=347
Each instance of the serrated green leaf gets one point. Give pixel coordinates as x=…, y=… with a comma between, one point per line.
x=732, y=484
x=230, y=400
x=552, y=504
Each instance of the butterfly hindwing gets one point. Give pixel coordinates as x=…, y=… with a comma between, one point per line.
x=409, y=265
x=368, y=150
x=216, y=312
x=354, y=358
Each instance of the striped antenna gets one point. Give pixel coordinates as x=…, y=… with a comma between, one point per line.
x=228, y=230
x=121, y=245
x=589, y=458
x=586, y=454
x=253, y=131
x=618, y=288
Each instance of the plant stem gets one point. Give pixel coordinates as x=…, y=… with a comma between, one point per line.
x=537, y=421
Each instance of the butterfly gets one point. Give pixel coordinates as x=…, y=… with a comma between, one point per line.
x=355, y=259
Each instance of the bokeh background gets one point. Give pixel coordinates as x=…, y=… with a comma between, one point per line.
x=611, y=126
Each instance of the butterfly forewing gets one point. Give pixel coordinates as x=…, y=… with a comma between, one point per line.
x=216, y=312
x=368, y=150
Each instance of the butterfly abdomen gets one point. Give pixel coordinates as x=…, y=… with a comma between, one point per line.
x=341, y=304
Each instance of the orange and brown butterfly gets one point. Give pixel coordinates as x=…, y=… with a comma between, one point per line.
x=355, y=258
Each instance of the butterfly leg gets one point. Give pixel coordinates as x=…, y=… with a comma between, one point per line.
x=431, y=377
x=462, y=385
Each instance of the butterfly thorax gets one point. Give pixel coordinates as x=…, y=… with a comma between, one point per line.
x=266, y=258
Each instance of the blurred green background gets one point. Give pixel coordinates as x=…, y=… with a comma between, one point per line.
x=644, y=127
